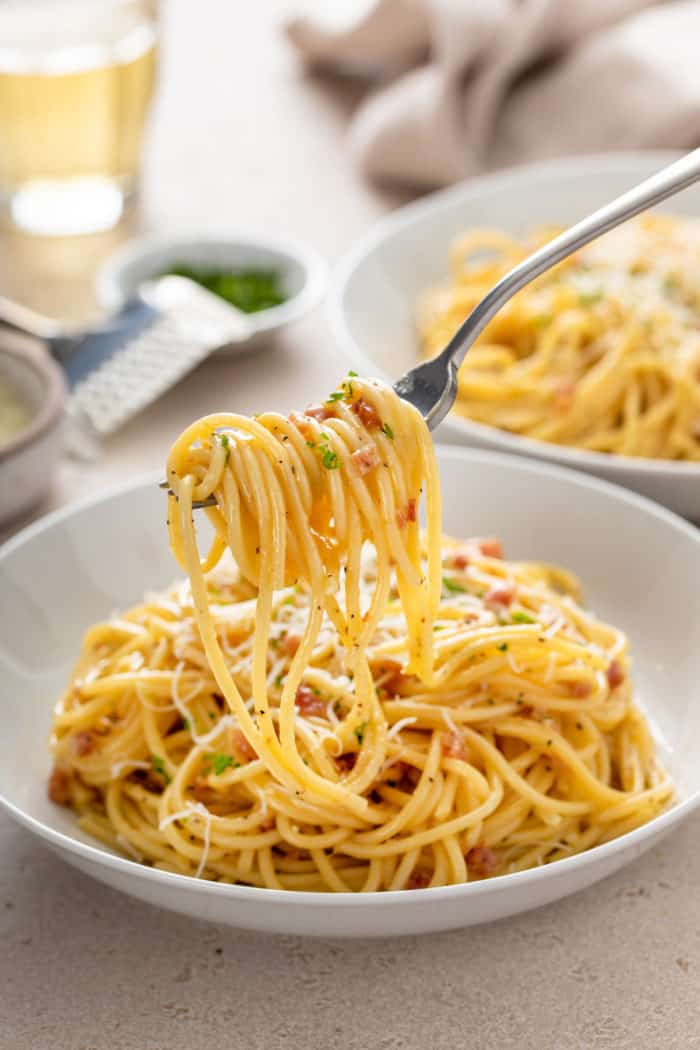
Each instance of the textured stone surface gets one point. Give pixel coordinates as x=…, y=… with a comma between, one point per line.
x=85, y=968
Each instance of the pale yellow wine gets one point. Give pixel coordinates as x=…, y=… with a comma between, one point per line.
x=59, y=122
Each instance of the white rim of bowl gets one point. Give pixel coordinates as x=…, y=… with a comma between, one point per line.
x=384, y=898
x=50, y=409
x=566, y=455
x=109, y=291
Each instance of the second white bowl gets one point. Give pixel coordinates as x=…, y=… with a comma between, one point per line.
x=373, y=297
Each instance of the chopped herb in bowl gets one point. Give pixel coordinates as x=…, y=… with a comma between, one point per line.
x=248, y=290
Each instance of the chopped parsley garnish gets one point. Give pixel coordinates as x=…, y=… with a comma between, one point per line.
x=590, y=298
x=328, y=456
x=159, y=767
x=522, y=617
x=250, y=289
x=311, y=444
x=278, y=681
x=352, y=374
x=503, y=646
x=337, y=395
x=221, y=762
x=360, y=732
x=330, y=459
x=451, y=586
x=186, y=723
x=225, y=443
x=386, y=429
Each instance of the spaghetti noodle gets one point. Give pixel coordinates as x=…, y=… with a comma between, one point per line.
x=601, y=353
x=351, y=705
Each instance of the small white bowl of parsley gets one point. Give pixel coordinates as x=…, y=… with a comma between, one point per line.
x=273, y=282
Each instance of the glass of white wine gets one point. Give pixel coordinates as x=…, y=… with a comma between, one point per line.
x=76, y=81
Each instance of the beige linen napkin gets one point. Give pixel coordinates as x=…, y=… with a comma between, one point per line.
x=471, y=85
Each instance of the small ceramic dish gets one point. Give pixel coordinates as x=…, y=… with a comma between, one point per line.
x=28, y=457
x=304, y=274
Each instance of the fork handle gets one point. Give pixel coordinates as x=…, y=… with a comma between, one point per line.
x=656, y=188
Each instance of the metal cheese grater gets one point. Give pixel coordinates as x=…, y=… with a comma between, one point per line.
x=118, y=368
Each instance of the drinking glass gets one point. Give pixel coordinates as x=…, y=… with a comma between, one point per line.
x=76, y=81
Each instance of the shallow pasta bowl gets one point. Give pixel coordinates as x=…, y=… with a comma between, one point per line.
x=639, y=565
x=375, y=290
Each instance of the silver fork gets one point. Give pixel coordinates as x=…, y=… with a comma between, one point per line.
x=432, y=386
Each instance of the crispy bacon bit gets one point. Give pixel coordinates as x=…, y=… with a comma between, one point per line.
x=365, y=459
x=454, y=745
x=244, y=749
x=291, y=642
x=308, y=703
x=366, y=413
x=393, y=678
x=58, y=788
x=500, y=597
x=526, y=711
x=202, y=792
x=407, y=513
x=320, y=412
x=490, y=547
x=460, y=560
x=403, y=775
x=418, y=880
x=346, y=762
x=564, y=395
x=615, y=675
x=83, y=743
x=267, y=824
x=482, y=861
x=395, y=683
x=580, y=689
x=386, y=667
x=302, y=424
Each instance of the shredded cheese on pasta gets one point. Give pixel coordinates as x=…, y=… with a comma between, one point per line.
x=600, y=353
x=336, y=700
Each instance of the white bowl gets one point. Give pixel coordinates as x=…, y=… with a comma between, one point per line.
x=28, y=460
x=640, y=566
x=373, y=298
x=304, y=273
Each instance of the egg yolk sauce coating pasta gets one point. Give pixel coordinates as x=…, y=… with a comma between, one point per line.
x=336, y=700
x=601, y=353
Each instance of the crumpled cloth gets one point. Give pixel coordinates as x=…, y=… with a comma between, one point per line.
x=463, y=86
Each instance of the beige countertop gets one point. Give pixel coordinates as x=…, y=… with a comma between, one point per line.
x=240, y=137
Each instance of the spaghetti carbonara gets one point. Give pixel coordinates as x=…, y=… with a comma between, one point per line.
x=601, y=353
x=337, y=701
